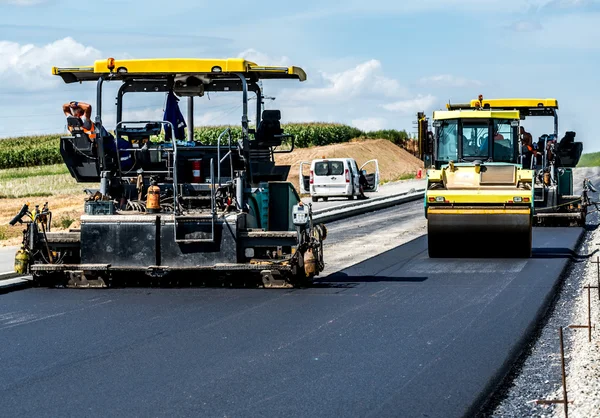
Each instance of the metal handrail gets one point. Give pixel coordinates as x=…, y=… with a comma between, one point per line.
x=229, y=154
x=213, y=213
x=173, y=142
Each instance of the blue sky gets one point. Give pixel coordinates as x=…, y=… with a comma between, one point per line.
x=369, y=64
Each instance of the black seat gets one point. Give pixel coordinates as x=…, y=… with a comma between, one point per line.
x=80, y=139
x=79, y=153
x=269, y=130
x=568, y=139
x=568, y=152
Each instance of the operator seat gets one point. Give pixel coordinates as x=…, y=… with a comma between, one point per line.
x=269, y=129
x=79, y=153
x=268, y=135
x=80, y=139
x=568, y=152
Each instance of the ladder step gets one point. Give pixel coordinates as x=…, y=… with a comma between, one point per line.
x=195, y=198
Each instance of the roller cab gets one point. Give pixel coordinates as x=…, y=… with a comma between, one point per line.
x=479, y=201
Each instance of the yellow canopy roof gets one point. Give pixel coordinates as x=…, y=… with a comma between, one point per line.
x=475, y=114
x=527, y=107
x=161, y=67
x=516, y=103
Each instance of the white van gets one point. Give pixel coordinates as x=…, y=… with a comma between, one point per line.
x=336, y=177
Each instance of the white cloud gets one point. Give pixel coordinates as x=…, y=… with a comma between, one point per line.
x=365, y=79
x=411, y=106
x=264, y=59
x=28, y=66
x=369, y=124
x=353, y=96
x=448, y=80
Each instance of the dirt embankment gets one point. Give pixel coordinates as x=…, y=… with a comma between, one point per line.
x=394, y=162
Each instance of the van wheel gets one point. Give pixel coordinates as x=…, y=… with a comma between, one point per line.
x=325, y=199
x=315, y=199
x=350, y=197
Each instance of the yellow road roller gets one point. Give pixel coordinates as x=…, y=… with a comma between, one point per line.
x=479, y=199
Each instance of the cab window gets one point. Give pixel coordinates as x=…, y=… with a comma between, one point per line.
x=447, y=143
x=504, y=141
x=475, y=139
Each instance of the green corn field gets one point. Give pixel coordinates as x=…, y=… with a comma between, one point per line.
x=29, y=151
x=40, y=150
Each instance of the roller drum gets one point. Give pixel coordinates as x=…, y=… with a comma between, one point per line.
x=459, y=233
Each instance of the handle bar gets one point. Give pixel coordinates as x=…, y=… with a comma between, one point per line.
x=19, y=215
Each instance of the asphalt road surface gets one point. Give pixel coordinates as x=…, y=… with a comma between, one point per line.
x=396, y=335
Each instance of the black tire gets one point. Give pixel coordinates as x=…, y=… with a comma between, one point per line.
x=325, y=199
x=315, y=199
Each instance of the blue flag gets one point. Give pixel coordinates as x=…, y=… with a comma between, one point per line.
x=173, y=115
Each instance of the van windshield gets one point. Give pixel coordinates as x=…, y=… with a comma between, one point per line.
x=329, y=168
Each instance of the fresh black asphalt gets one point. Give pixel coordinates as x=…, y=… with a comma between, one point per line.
x=399, y=335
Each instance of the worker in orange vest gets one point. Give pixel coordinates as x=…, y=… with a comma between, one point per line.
x=82, y=111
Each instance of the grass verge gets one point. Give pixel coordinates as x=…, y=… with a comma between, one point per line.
x=590, y=160
x=36, y=186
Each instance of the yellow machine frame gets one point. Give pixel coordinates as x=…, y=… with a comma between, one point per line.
x=511, y=103
x=174, y=66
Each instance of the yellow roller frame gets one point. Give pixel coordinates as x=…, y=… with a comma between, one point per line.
x=478, y=211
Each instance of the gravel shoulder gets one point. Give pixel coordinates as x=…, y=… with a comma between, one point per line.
x=583, y=356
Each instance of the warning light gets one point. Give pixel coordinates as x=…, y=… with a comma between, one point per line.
x=110, y=64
